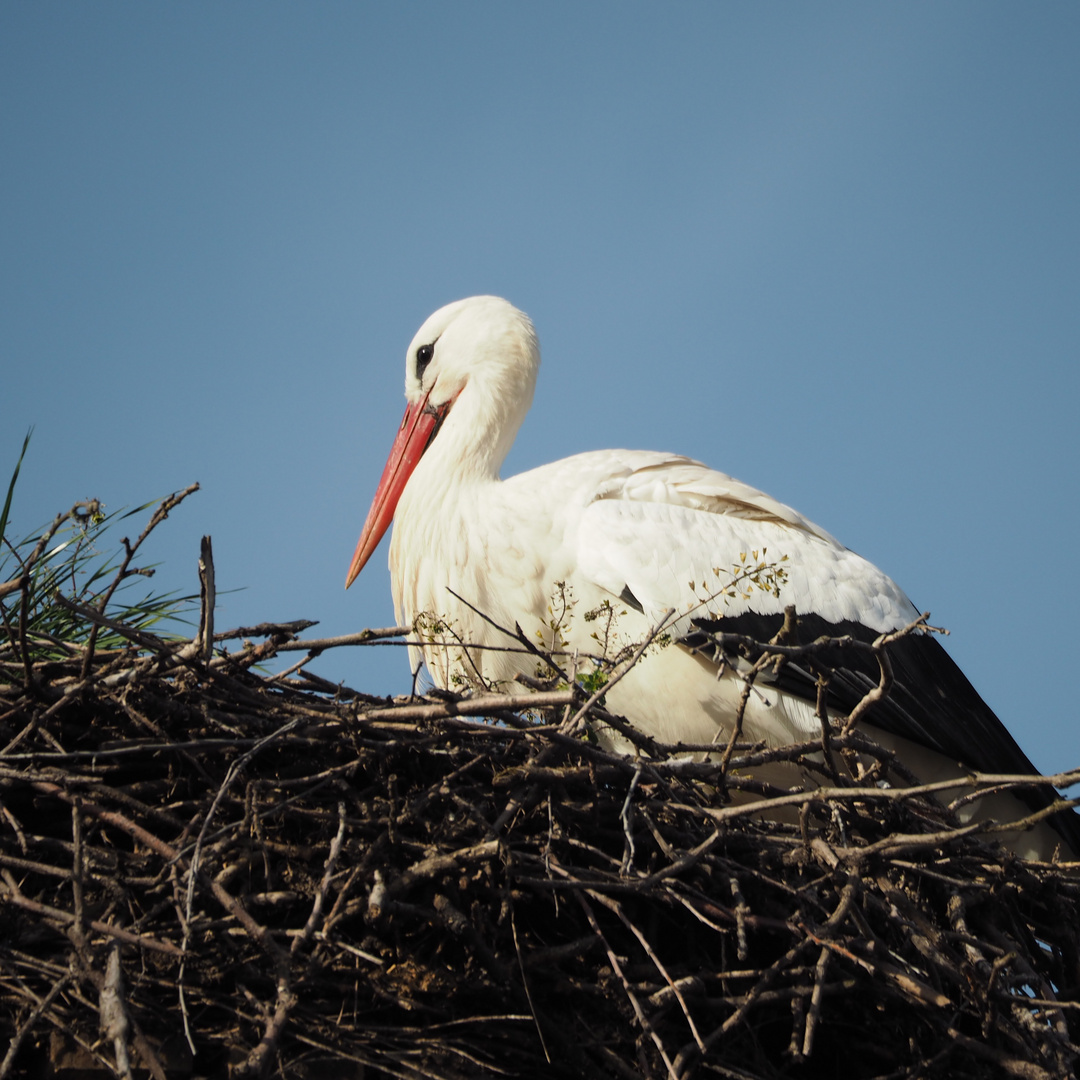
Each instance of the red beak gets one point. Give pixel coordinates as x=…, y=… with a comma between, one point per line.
x=418, y=427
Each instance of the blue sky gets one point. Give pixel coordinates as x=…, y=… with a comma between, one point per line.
x=831, y=249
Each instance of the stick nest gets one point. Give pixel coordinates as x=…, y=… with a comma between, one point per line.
x=210, y=871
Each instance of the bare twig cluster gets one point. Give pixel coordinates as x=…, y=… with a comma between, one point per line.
x=207, y=870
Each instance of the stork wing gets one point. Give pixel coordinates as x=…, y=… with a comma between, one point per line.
x=657, y=538
x=679, y=535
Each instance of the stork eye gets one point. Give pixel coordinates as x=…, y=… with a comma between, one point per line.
x=423, y=358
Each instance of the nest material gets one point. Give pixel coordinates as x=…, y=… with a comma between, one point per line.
x=207, y=871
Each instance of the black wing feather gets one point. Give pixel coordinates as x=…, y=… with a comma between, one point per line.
x=931, y=702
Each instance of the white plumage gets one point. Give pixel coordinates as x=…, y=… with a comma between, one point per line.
x=639, y=534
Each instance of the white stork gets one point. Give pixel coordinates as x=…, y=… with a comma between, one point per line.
x=614, y=542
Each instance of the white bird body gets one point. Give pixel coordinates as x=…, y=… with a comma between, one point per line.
x=588, y=527
x=593, y=553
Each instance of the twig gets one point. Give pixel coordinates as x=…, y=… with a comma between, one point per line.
x=486, y=705
x=742, y=909
x=207, y=599
x=114, y=1018
x=524, y=983
x=35, y=1014
x=517, y=634
x=78, y=926
x=650, y=952
x=616, y=967
x=14, y=896
x=318, y=645
x=881, y=654
x=815, y=1002
x=622, y=669
x=314, y=918
x=625, y=815
x=122, y=573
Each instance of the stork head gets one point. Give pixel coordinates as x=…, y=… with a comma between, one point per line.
x=470, y=373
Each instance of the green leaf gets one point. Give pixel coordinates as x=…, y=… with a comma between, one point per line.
x=11, y=486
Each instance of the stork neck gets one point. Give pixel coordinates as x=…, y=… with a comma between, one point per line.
x=474, y=440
